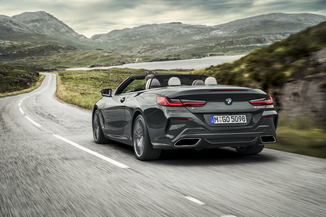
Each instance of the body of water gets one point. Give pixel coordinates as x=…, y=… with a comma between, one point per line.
x=175, y=64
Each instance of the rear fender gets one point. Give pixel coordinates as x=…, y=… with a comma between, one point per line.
x=100, y=117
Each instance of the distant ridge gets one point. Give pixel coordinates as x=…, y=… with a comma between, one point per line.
x=33, y=33
x=179, y=38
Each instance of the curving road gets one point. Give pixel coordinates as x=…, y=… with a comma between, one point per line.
x=50, y=166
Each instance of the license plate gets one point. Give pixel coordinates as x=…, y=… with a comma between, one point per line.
x=228, y=119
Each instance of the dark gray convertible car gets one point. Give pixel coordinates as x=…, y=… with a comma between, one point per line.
x=179, y=111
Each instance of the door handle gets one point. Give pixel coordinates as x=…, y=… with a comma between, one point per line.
x=122, y=99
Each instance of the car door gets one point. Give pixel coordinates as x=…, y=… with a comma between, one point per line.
x=114, y=115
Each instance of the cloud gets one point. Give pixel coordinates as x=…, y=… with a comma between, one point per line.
x=101, y=16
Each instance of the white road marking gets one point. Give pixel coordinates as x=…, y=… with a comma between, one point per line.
x=228, y=216
x=92, y=152
x=21, y=110
x=33, y=122
x=67, y=140
x=195, y=200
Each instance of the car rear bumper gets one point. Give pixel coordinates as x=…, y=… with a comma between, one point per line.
x=198, y=138
x=189, y=131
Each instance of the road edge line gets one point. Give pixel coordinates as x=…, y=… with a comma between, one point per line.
x=116, y=163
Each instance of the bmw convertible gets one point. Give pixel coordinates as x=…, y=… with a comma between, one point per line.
x=181, y=111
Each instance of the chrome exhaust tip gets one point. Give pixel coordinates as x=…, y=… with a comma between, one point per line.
x=268, y=139
x=187, y=142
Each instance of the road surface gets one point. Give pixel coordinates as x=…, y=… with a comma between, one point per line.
x=50, y=166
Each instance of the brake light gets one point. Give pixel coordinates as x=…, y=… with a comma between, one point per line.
x=165, y=101
x=270, y=116
x=161, y=100
x=262, y=102
x=194, y=104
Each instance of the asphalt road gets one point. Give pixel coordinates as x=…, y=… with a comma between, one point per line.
x=50, y=166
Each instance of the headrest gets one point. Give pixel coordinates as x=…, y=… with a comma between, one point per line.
x=152, y=83
x=197, y=82
x=173, y=81
x=210, y=81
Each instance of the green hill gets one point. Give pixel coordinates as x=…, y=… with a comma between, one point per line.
x=17, y=78
x=272, y=66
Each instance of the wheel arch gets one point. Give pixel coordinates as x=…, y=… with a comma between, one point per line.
x=135, y=115
x=101, y=116
x=94, y=110
x=149, y=152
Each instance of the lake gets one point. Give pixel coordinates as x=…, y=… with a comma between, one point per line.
x=173, y=64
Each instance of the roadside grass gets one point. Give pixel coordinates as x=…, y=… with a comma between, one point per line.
x=82, y=88
x=301, y=137
x=35, y=85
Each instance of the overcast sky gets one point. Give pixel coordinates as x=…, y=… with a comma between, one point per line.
x=89, y=17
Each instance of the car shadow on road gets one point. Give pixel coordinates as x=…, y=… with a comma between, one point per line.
x=211, y=157
x=203, y=157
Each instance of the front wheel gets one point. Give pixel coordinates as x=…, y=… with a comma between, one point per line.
x=250, y=150
x=97, y=129
x=142, y=145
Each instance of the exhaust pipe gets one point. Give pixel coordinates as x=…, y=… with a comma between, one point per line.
x=267, y=139
x=187, y=142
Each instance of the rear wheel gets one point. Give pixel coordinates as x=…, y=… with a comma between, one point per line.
x=250, y=150
x=97, y=129
x=142, y=145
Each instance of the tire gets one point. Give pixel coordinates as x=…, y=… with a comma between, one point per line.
x=143, y=147
x=97, y=129
x=250, y=150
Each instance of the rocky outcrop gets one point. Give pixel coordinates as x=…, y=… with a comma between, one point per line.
x=319, y=58
x=304, y=98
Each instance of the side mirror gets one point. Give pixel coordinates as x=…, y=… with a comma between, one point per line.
x=106, y=92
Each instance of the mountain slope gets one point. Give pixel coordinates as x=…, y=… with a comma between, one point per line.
x=10, y=27
x=40, y=33
x=37, y=33
x=46, y=24
x=274, y=22
x=178, y=38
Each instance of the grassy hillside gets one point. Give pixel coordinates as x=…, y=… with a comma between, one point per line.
x=17, y=78
x=75, y=59
x=273, y=65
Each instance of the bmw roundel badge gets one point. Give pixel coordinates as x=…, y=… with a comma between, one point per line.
x=228, y=101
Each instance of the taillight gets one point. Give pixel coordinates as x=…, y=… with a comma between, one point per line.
x=161, y=100
x=165, y=101
x=193, y=104
x=262, y=102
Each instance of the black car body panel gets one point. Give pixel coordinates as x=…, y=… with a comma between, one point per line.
x=194, y=126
